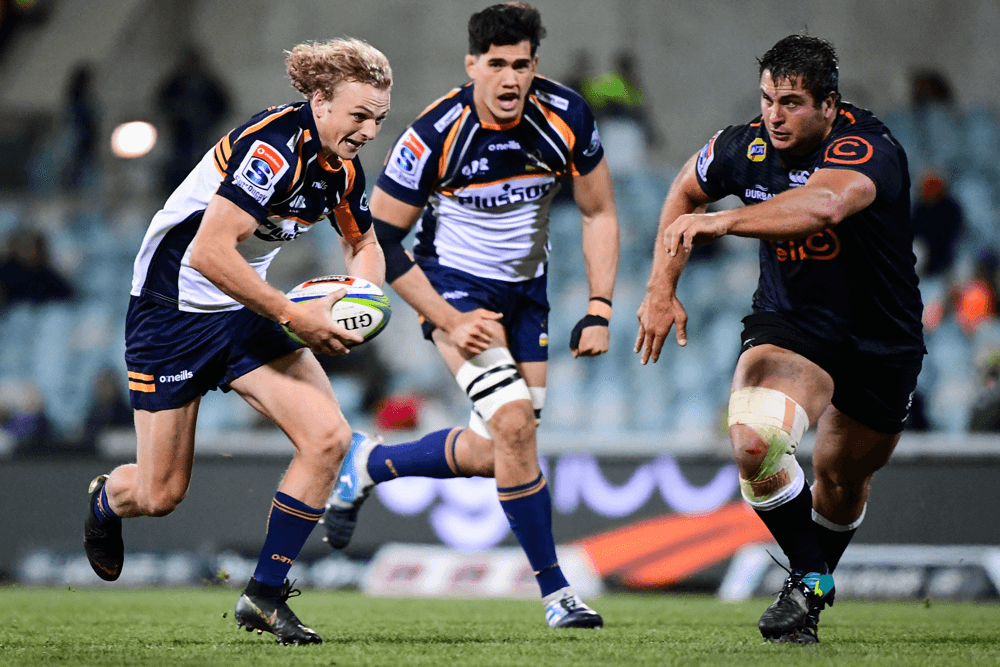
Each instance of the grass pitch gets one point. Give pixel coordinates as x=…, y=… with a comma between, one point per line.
x=107, y=626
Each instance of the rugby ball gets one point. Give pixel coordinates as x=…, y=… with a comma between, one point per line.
x=364, y=309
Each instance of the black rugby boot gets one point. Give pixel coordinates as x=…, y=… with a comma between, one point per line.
x=794, y=616
x=102, y=541
x=262, y=608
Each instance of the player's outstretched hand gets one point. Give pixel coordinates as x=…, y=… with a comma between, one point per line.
x=314, y=325
x=657, y=314
x=473, y=331
x=693, y=228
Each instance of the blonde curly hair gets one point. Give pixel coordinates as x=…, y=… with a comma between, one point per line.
x=315, y=66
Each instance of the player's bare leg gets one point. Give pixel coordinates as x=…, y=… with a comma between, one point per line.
x=776, y=395
x=294, y=392
x=846, y=456
x=152, y=486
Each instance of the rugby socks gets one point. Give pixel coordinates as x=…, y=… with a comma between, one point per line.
x=834, y=537
x=529, y=510
x=431, y=456
x=288, y=527
x=102, y=508
x=793, y=529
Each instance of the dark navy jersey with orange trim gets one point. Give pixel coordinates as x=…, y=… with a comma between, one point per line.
x=487, y=189
x=854, y=284
x=271, y=168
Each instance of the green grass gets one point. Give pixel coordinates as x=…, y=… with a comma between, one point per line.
x=45, y=626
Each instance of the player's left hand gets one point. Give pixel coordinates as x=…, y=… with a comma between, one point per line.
x=590, y=337
x=693, y=228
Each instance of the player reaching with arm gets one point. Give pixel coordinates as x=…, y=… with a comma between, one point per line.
x=201, y=315
x=835, y=337
x=479, y=168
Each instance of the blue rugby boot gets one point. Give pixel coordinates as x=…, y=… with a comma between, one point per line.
x=794, y=616
x=102, y=540
x=262, y=608
x=565, y=609
x=352, y=487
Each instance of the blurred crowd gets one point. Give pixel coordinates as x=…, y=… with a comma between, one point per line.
x=68, y=246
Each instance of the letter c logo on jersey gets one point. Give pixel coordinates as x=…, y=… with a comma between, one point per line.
x=849, y=150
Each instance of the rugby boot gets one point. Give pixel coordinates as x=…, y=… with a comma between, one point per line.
x=353, y=485
x=102, y=540
x=262, y=608
x=565, y=609
x=794, y=616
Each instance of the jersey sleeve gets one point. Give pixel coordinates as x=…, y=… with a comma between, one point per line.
x=411, y=170
x=872, y=154
x=261, y=165
x=351, y=217
x=711, y=168
x=588, y=150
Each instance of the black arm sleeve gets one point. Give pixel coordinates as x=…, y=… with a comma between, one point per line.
x=390, y=237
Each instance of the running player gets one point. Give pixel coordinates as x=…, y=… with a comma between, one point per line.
x=202, y=317
x=479, y=169
x=835, y=336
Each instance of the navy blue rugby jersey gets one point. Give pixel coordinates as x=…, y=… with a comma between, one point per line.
x=271, y=168
x=854, y=284
x=488, y=188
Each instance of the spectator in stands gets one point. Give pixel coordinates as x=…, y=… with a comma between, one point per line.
x=618, y=95
x=23, y=417
x=985, y=412
x=929, y=87
x=26, y=271
x=579, y=76
x=81, y=112
x=972, y=301
x=108, y=409
x=937, y=223
x=193, y=101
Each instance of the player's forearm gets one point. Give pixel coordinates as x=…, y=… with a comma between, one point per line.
x=228, y=271
x=666, y=269
x=417, y=291
x=794, y=214
x=366, y=261
x=600, y=255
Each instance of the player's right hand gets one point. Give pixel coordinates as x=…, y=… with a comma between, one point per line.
x=657, y=314
x=474, y=331
x=313, y=324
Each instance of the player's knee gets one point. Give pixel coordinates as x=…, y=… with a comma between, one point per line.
x=330, y=444
x=769, y=473
x=513, y=427
x=493, y=385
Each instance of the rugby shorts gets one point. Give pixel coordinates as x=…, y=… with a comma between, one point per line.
x=524, y=305
x=874, y=389
x=174, y=356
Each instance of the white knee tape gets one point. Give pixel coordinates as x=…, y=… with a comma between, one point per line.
x=478, y=426
x=491, y=380
x=779, y=422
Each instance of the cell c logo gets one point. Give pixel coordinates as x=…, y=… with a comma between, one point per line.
x=849, y=150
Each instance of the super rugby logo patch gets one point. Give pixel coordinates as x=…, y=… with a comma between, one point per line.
x=407, y=160
x=261, y=169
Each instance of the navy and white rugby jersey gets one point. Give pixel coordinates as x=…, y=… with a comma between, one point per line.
x=854, y=284
x=488, y=188
x=271, y=168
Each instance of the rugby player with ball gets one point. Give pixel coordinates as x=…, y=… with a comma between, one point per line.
x=202, y=317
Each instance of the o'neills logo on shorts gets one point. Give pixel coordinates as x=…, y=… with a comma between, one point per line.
x=180, y=377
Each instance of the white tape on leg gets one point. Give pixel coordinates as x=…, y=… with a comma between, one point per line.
x=491, y=380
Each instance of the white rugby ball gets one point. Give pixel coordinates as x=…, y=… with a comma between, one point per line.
x=364, y=309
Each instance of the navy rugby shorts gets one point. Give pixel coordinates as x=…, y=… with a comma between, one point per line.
x=874, y=389
x=524, y=305
x=174, y=356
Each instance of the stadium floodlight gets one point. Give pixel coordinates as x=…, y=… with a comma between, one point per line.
x=133, y=139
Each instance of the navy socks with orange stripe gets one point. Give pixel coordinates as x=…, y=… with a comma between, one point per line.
x=529, y=510
x=426, y=457
x=288, y=528
x=102, y=509
x=792, y=526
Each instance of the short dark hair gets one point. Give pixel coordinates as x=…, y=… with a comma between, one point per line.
x=503, y=25
x=812, y=58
